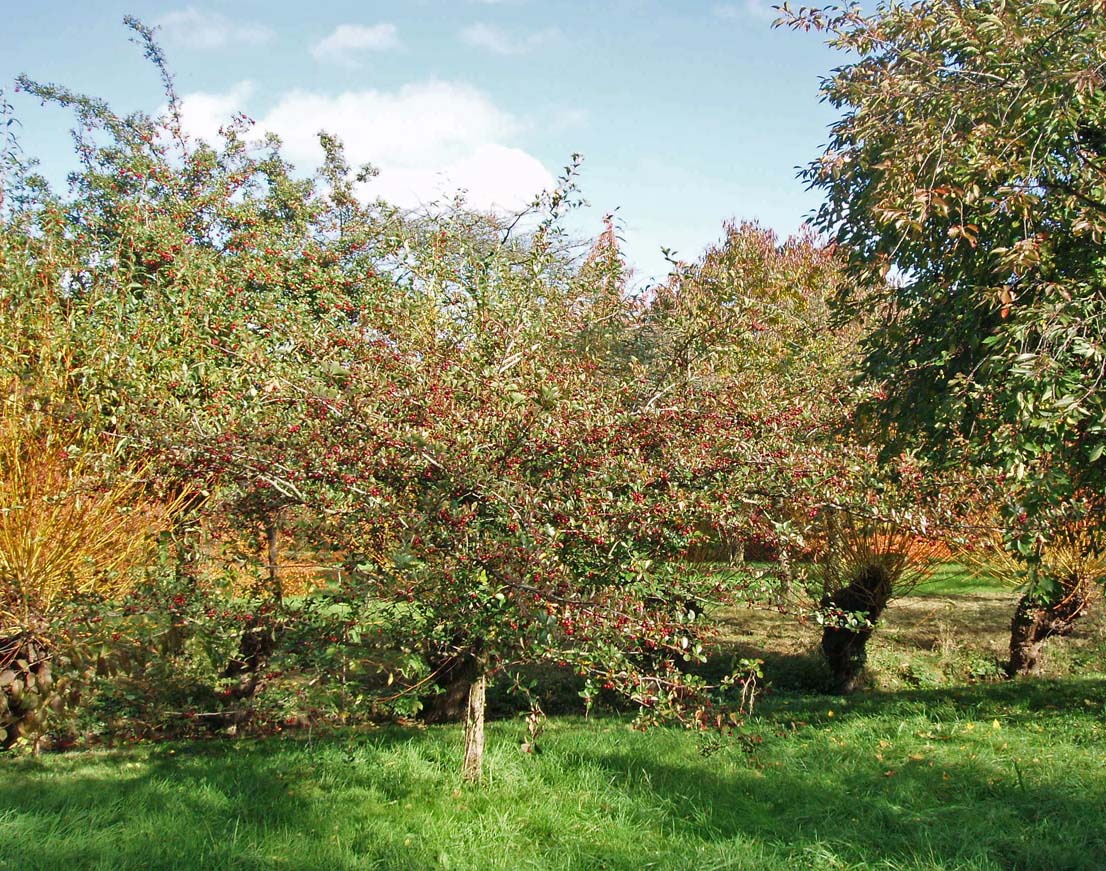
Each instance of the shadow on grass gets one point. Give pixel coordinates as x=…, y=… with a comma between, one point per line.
x=207, y=805
x=824, y=801
x=823, y=794
x=861, y=815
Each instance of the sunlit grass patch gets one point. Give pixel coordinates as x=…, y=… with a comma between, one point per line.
x=989, y=777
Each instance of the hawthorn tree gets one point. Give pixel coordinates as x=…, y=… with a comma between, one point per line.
x=741, y=342
x=495, y=414
x=966, y=179
x=177, y=301
x=450, y=402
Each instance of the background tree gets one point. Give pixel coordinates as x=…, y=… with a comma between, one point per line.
x=750, y=329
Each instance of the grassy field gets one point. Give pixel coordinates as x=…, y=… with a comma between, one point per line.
x=952, y=630
x=958, y=580
x=931, y=769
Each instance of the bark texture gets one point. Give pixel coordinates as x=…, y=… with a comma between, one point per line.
x=845, y=648
x=1034, y=623
x=472, y=767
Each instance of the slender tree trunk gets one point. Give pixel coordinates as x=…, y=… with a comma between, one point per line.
x=472, y=767
x=184, y=541
x=785, y=575
x=259, y=637
x=1034, y=623
x=276, y=585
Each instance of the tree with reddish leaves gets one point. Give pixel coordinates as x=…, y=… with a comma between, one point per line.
x=493, y=428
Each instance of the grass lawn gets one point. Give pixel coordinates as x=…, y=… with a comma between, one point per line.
x=939, y=765
x=952, y=630
x=995, y=776
x=955, y=579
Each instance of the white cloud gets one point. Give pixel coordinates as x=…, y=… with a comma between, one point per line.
x=205, y=113
x=759, y=9
x=492, y=176
x=208, y=30
x=499, y=41
x=429, y=139
x=348, y=41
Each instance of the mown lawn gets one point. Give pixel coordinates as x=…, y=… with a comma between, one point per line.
x=940, y=765
x=957, y=579
x=994, y=776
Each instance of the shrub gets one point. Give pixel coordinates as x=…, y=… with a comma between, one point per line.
x=68, y=530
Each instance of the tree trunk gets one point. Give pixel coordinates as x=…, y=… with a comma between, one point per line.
x=845, y=648
x=259, y=637
x=1034, y=623
x=255, y=648
x=27, y=689
x=455, y=674
x=472, y=767
x=276, y=583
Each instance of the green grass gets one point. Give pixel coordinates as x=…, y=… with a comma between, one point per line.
x=913, y=780
x=951, y=631
x=954, y=579
x=940, y=766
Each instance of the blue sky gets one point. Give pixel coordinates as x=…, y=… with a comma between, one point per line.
x=687, y=113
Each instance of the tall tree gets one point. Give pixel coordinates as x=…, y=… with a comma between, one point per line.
x=968, y=168
x=966, y=179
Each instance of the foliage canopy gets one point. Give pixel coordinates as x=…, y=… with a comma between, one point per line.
x=969, y=167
